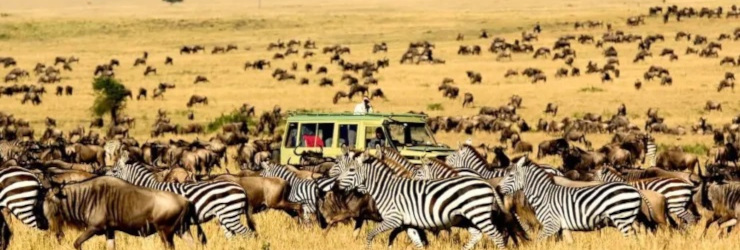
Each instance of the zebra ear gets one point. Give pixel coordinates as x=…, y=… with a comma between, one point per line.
x=345, y=149
x=522, y=161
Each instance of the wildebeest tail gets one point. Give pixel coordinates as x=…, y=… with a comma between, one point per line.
x=248, y=210
x=192, y=217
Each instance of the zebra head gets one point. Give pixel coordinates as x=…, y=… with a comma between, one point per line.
x=351, y=177
x=423, y=172
x=120, y=168
x=514, y=179
x=112, y=150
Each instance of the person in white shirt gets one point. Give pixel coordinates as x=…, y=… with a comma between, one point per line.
x=363, y=107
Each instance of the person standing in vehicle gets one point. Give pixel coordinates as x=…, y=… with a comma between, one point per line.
x=363, y=107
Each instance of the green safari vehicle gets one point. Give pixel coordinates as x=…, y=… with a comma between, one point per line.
x=327, y=132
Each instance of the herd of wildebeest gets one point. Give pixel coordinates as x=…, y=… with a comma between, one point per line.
x=113, y=182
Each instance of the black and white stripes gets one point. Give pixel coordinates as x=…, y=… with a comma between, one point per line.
x=560, y=208
x=19, y=190
x=423, y=204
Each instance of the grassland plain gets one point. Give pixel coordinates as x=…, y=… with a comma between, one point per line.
x=38, y=30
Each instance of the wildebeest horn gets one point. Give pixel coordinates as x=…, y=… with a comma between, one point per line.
x=295, y=151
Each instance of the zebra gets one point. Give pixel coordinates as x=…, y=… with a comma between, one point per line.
x=303, y=191
x=19, y=190
x=560, y=208
x=433, y=169
x=467, y=158
x=391, y=154
x=678, y=194
x=222, y=200
x=422, y=204
x=10, y=150
x=651, y=151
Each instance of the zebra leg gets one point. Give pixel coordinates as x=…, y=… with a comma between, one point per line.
x=548, y=229
x=307, y=211
x=567, y=236
x=475, y=236
x=417, y=236
x=390, y=222
x=232, y=226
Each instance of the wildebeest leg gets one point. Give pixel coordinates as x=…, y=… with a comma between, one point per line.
x=358, y=227
x=5, y=234
x=188, y=238
x=167, y=235
x=86, y=235
x=110, y=239
x=709, y=222
x=726, y=224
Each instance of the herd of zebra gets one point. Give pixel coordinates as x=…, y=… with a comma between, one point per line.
x=504, y=199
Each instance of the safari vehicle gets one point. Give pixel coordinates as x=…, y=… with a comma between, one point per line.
x=327, y=132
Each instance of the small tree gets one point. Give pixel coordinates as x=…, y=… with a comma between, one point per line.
x=173, y=1
x=110, y=97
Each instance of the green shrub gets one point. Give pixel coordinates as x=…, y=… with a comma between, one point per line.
x=591, y=89
x=435, y=107
x=696, y=148
x=234, y=116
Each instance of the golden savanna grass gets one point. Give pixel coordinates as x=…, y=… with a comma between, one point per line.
x=96, y=31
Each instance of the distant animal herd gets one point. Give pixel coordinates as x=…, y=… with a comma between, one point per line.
x=113, y=182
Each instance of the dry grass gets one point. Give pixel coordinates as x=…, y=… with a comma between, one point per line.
x=96, y=31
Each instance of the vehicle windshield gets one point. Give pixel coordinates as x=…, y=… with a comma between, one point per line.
x=410, y=134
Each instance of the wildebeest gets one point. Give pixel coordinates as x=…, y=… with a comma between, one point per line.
x=551, y=108
x=199, y=79
x=675, y=159
x=713, y=105
x=474, y=77
x=195, y=99
x=467, y=99
x=552, y=147
x=104, y=205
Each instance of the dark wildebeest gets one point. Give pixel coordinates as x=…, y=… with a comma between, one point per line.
x=675, y=159
x=713, y=105
x=106, y=204
x=551, y=108
x=168, y=61
x=475, y=77
x=195, y=99
x=142, y=93
x=552, y=147
x=199, y=79
x=467, y=99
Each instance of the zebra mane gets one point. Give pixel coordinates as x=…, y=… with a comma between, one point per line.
x=372, y=162
x=437, y=162
x=398, y=169
x=475, y=153
x=615, y=173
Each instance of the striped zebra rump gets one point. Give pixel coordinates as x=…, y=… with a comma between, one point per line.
x=678, y=194
x=19, y=193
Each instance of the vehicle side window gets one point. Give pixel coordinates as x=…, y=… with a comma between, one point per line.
x=290, y=141
x=325, y=134
x=347, y=135
x=374, y=136
x=308, y=135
